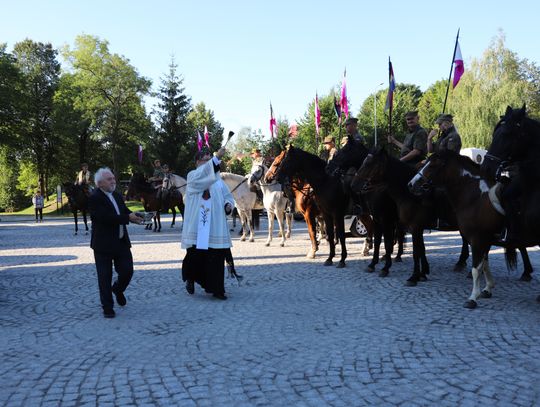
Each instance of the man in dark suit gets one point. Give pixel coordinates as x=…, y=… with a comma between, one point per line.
x=110, y=240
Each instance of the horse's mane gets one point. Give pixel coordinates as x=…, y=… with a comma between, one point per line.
x=313, y=161
x=399, y=172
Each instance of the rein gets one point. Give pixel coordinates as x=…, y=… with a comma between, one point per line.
x=236, y=187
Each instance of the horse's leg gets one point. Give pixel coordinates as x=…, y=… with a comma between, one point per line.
x=490, y=282
x=388, y=230
x=527, y=267
x=85, y=221
x=270, y=226
x=243, y=221
x=423, y=259
x=340, y=230
x=400, y=237
x=478, y=257
x=415, y=277
x=289, y=219
x=76, y=222
x=367, y=221
x=309, y=217
x=158, y=216
x=173, y=216
x=250, y=225
x=281, y=224
x=329, y=225
x=155, y=223
x=462, y=261
x=377, y=233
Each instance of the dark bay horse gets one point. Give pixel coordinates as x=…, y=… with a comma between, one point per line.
x=294, y=162
x=382, y=172
x=77, y=196
x=140, y=187
x=516, y=143
x=478, y=211
x=381, y=206
x=303, y=196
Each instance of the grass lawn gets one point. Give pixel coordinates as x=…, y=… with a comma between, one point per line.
x=50, y=208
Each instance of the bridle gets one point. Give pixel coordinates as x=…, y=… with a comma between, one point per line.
x=261, y=169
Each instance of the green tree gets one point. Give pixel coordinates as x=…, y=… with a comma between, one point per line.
x=11, y=198
x=500, y=78
x=431, y=103
x=40, y=70
x=10, y=98
x=74, y=128
x=173, y=143
x=111, y=95
x=406, y=98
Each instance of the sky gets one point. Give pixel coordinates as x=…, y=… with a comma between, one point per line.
x=238, y=56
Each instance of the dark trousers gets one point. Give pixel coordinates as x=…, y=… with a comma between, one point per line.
x=123, y=264
x=40, y=212
x=205, y=267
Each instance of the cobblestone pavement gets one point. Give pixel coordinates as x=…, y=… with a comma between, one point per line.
x=295, y=333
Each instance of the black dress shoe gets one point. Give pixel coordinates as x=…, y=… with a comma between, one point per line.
x=220, y=296
x=190, y=287
x=108, y=313
x=120, y=298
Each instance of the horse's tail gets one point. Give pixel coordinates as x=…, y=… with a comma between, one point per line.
x=511, y=258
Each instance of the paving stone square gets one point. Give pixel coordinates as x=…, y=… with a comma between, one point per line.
x=293, y=333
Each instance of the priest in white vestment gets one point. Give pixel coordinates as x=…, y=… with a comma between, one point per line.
x=205, y=233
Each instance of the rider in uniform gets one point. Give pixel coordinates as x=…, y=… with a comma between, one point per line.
x=414, y=146
x=84, y=179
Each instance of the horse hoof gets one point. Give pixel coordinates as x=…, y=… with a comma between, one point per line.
x=422, y=278
x=87, y=235
x=471, y=304
x=242, y=239
x=525, y=277
x=459, y=267
x=340, y=265
x=251, y=240
x=383, y=273
x=282, y=244
x=370, y=269
x=411, y=283
x=310, y=255
x=365, y=253
x=485, y=294
x=288, y=235
x=75, y=234
x=398, y=259
x=327, y=263
x=267, y=244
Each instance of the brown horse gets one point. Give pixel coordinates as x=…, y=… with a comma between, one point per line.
x=302, y=195
x=77, y=196
x=148, y=195
x=478, y=211
x=330, y=198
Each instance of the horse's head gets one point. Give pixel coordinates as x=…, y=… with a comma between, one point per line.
x=350, y=155
x=257, y=173
x=279, y=168
x=371, y=173
x=137, y=183
x=438, y=169
x=509, y=143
